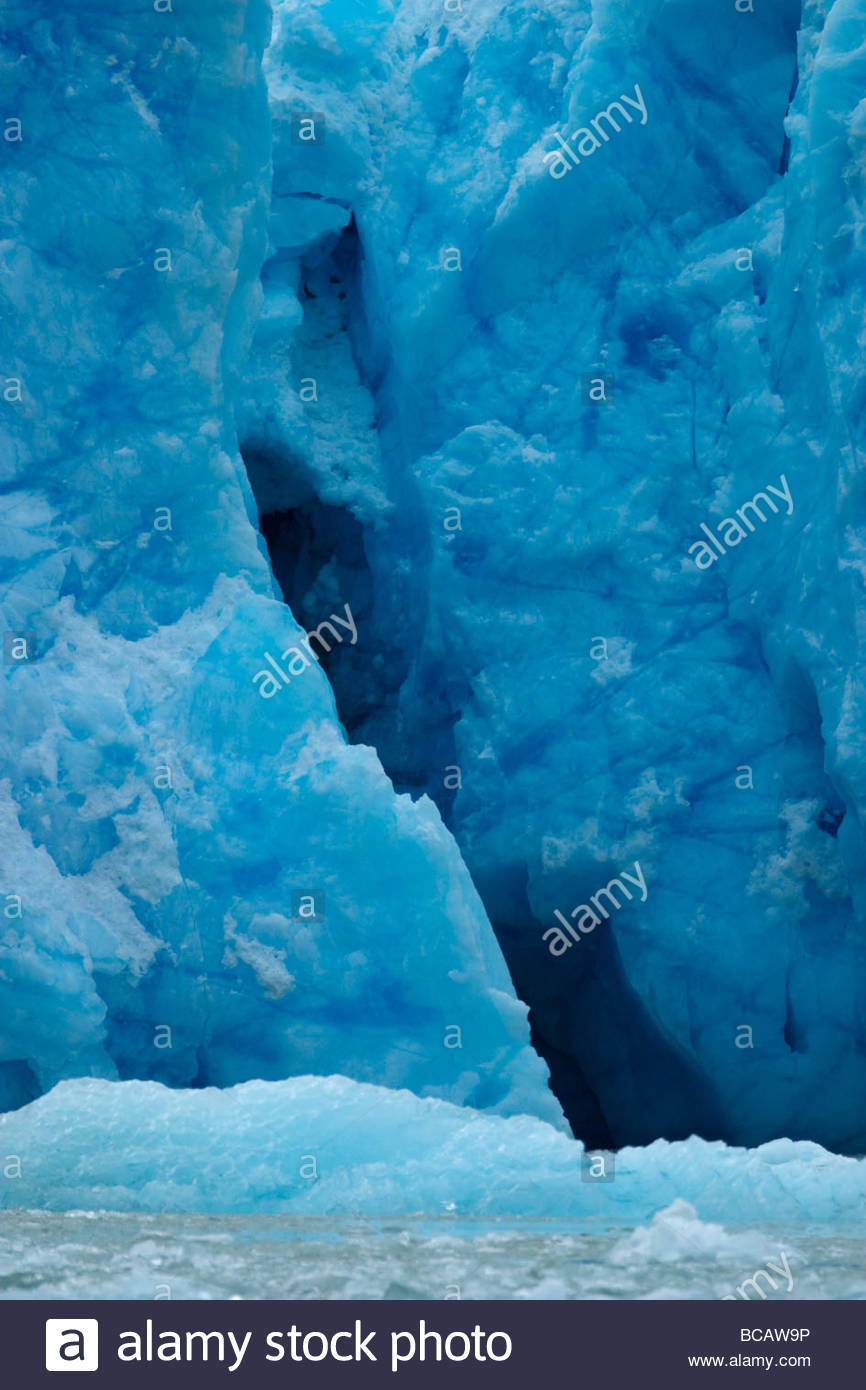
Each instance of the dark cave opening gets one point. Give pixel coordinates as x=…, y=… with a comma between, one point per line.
x=785, y=156
x=618, y=1077
x=318, y=560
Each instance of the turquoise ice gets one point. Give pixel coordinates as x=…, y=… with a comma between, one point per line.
x=296, y=322
x=319, y=1145
x=574, y=382
x=199, y=885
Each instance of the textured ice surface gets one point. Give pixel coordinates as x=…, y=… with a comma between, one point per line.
x=559, y=664
x=162, y=824
x=326, y=1144
x=398, y=317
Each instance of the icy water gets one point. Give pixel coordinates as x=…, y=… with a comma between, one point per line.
x=102, y=1255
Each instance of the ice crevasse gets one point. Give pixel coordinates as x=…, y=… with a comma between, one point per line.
x=260, y=378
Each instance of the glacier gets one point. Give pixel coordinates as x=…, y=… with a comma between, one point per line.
x=296, y=320
x=163, y=827
x=547, y=653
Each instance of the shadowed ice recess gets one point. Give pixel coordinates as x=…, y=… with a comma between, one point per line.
x=265, y=382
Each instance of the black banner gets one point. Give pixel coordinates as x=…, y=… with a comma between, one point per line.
x=417, y=1344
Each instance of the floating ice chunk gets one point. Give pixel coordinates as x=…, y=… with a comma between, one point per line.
x=331, y=1145
x=677, y=1233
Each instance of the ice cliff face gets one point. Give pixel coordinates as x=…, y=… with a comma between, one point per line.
x=488, y=395
x=557, y=371
x=199, y=885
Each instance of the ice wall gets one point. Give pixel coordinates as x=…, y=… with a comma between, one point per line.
x=201, y=882
x=572, y=444
x=498, y=393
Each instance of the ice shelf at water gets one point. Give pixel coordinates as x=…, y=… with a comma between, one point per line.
x=329, y=1145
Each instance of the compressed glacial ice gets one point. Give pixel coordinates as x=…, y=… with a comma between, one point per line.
x=238, y=367
x=551, y=647
x=199, y=884
x=315, y=1144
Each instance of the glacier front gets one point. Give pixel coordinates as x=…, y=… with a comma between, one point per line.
x=410, y=531
x=199, y=885
x=613, y=402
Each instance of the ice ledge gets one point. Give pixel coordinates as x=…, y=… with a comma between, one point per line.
x=316, y=1144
